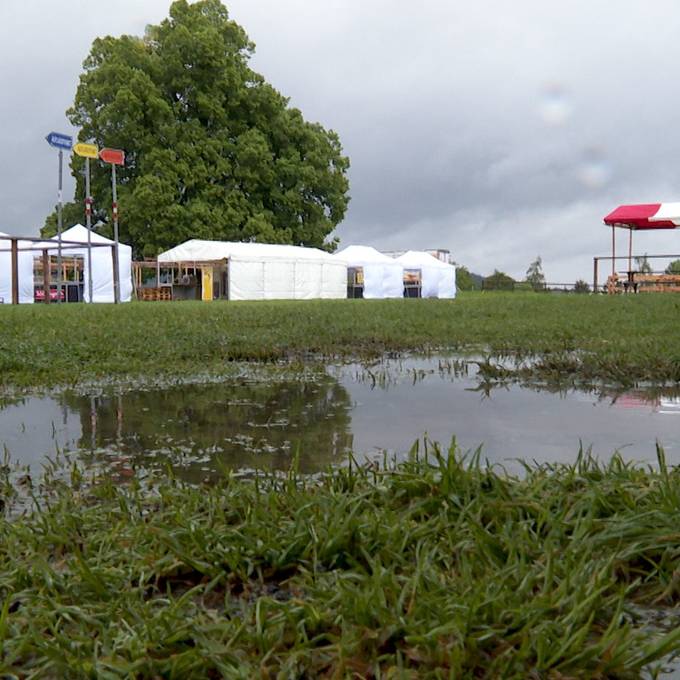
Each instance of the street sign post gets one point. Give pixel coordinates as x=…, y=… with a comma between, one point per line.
x=63, y=143
x=88, y=151
x=114, y=157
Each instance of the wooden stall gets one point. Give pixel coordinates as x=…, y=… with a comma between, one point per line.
x=165, y=281
x=635, y=279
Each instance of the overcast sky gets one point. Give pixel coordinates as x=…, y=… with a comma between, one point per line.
x=499, y=130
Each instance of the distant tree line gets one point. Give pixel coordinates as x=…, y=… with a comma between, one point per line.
x=534, y=280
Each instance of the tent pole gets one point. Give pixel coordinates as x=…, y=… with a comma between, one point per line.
x=613, y=251
x=630, y=250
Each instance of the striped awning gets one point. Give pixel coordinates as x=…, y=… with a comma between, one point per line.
x=645, y=216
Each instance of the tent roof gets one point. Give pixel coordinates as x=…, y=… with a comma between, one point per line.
x=197, y=250
x=645, y=216
x=363, y=255
x=419, y=258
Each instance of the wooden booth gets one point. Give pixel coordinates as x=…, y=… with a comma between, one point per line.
x=632, y=278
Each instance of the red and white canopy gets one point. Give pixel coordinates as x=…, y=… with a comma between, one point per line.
x=645, y=216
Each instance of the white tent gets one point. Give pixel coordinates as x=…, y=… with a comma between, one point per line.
x=383, y=276
x=438, y=279
x=102, y=264
x=25, y=262
x=263, y=271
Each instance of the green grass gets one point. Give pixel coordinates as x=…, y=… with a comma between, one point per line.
x=588, y=338
x=433, y=568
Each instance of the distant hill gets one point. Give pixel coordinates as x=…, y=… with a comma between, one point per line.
x=477, y=278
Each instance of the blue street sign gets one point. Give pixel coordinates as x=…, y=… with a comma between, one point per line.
x=60, y=141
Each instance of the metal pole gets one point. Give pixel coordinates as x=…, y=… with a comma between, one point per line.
x=630, y=250
x=46, y=274
x=116, y=268
x=88, y=219
x=595, y=263
x=15, y=271
x=613, y=252
x=114, y=259
x=59, y=225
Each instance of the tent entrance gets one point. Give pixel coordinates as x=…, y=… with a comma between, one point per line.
x=355, y=282
x=45, y=277
x=413, y=283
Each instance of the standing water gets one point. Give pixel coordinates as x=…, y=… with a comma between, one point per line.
x=265, y=421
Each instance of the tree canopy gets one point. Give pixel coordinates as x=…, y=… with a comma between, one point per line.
x=212, y=150
x=463, y=278
x=498, y=281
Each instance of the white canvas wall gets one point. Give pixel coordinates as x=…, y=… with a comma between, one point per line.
x=25, y=262
x=334, y=280
x=285, y=279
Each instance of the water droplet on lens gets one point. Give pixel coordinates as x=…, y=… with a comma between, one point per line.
x=595, y=170
x=555, y=106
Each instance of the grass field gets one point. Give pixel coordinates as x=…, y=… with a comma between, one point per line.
x=428, y=569
x=590, y=338
x=434, y=568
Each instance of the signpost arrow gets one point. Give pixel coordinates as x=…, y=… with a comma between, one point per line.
x=113, y=156
x=60, y=141
x=86, y=150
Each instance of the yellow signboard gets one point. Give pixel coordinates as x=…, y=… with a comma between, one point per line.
x=207, y=284
x=86, y=150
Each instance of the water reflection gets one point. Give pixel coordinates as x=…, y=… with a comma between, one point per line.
x=665, y=404
x=261, y=422
x=195, y=429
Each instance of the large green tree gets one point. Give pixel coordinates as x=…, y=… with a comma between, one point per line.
x=212, y=150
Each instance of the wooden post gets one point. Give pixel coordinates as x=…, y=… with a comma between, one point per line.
x=595, y=263
x=46, y=275
x=116, y=286
x=15, y=271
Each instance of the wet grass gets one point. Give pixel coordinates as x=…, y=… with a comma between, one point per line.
x=581, y=338
x=431, y=568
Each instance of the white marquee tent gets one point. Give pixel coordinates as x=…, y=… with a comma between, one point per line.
x=102, y=264
x=263, y=271
x=25, y=261
x=383, y=276
x=438, y=279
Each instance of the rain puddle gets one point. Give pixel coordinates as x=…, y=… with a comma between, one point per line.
x=266, y=420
